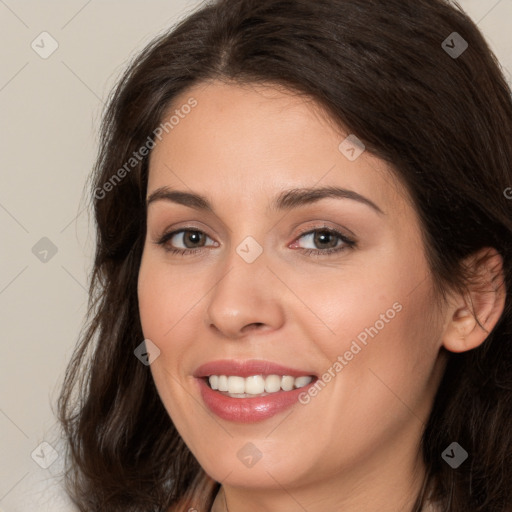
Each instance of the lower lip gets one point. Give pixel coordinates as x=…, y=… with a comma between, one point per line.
x=249, y=410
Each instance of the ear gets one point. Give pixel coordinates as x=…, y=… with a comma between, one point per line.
x=483, y=303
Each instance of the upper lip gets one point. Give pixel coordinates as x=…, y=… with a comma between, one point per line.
x=247, y=368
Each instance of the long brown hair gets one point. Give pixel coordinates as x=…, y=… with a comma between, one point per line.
x=444, y=123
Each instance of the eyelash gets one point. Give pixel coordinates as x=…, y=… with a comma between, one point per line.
x=349, y=243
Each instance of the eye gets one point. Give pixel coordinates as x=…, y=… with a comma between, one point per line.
x=187, y=237
x=328, y=239
x=188, y=241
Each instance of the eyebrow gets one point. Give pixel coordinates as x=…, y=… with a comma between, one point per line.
x=287, y=200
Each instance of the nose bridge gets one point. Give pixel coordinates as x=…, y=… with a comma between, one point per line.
x=246, y=293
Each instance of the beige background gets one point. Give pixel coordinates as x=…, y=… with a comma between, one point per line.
x=50, y=113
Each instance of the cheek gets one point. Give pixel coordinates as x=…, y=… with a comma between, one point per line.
x=160, y=309
x=381, y=311
x=162, y=303
x=168, y=299
x=382, y=339
x=165, y=296
x=352, y=310
x=388, y=362
x=382, y=385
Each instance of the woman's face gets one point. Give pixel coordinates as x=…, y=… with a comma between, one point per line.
x=265, y=280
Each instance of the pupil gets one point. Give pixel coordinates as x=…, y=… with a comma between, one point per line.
x=319, y=238
x=191, y=236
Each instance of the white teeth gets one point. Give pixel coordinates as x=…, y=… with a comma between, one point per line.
x=241, y=387
x=254, y=385
x=272, y=383
x=287, y=382
x=236, y=384
x=214, y=382
x=302, y=381
x=223, y=383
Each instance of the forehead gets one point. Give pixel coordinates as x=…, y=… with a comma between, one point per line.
x=251, y=141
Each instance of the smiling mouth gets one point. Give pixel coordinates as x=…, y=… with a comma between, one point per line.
x=255, y=386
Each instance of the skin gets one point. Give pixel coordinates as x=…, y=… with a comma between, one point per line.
x=355, y=445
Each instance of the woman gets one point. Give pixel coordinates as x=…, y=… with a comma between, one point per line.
x=233, y=363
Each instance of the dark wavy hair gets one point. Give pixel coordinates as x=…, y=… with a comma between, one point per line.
x=444, y=124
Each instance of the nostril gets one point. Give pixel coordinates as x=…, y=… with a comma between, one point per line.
x=254, y=326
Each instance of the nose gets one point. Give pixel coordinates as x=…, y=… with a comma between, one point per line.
x=246, y=298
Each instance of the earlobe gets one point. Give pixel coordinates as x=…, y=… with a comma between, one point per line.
x=471, y=318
